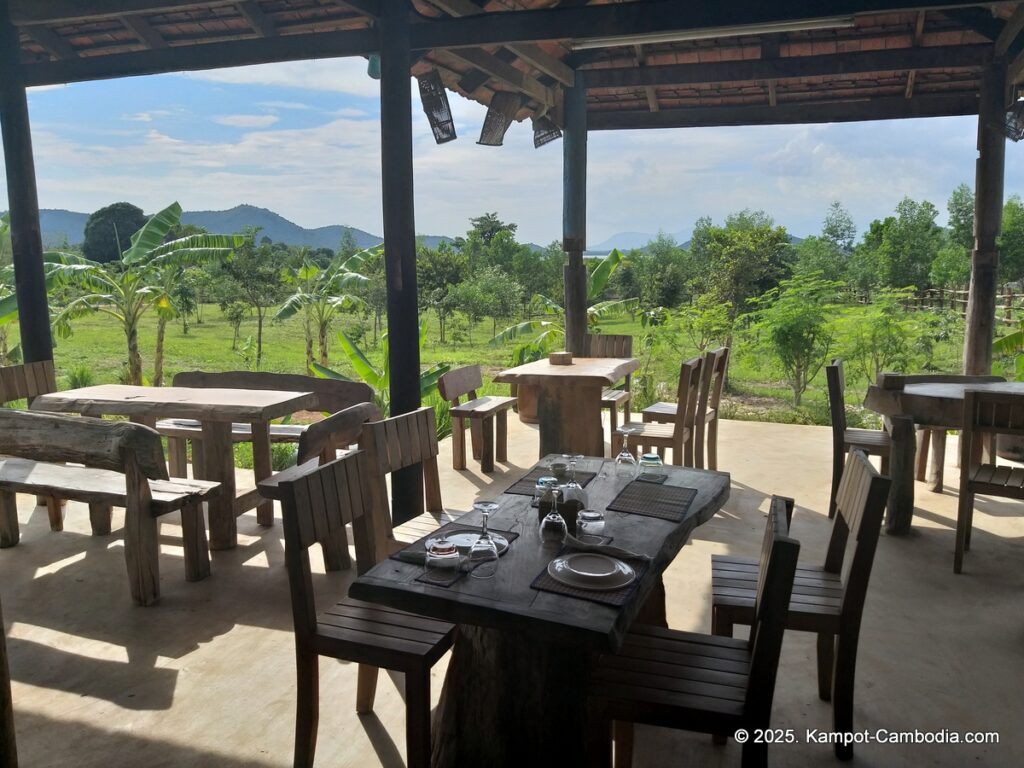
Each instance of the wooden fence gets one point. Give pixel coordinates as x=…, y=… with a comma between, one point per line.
x=1009, y=303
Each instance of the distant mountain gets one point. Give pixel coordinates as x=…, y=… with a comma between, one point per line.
x=60, y=226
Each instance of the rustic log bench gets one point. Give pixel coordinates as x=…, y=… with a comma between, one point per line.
x=122, y=464
x=481, y=412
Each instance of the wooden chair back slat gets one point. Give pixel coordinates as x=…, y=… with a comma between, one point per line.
x=711, y=380
x=688, y=391
x=96, y=443
x=339, y=430
x=461, y=381
x=18, y=382
x=607, y=345
x=774, y=589
x=332, y=395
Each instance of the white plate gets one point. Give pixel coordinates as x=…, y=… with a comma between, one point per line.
x=589, y=570
x=465, y=539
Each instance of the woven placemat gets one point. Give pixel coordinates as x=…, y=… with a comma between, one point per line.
x=526, y=485
x=667, y=502
x=614, y=597
x=416, y=553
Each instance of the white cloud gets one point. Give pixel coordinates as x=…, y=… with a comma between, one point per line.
x=294, y=105
x=336, y=75
x=247, y=121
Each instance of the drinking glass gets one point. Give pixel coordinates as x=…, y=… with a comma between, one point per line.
x=553, y=528
x=443, y=558
x=651, y=465
x=590, y=526
x=483, y=555
x=625, y=462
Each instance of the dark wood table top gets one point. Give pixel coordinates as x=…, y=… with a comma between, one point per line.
x=592, y=370
x=507, y=601
x=202, y=403
x=936, y=404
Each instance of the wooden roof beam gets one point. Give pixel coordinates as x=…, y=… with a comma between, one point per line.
x=531, y=54
x=506, y=73
x=54, y=44
x=886, y=108
x=918, y=37
x=24, y=12
x=1010, y=31
x=258, y=20
x=952, y=56
x=149, y=36
x=649, y=90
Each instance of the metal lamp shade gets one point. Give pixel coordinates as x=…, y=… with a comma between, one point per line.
x=500, y=114
x=434, y=98
x=1014, y=127
x=544, y=131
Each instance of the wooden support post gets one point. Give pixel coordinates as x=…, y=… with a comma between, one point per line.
x=988, y=214
x=574, y=214
x=400, y=240
x=26, y=241
x=901, y=470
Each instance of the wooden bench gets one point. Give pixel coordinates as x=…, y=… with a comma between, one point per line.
x=332, y=396
x=612, y=345
x=483, y=413
x=27, y=382
x=122, y=465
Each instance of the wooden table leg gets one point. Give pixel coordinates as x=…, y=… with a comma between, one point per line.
x=570, y=419
x=219, y=466
x=901, y=469
x=100, y=513
x=936, y=467
x=510, y=700
x=262, y=467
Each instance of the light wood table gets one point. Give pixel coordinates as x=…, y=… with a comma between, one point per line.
x=569, y=399
x=516, y=683
x=216, y=409
x=939, y=404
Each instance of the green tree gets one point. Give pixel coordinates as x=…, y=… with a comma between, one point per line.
x=820, y=254
x=880, y=336
x=109, y=230
x=907, y=244
x=348, y=246
x=140, y=280
x=1011, y=241
x=951, y=267
x=961, y=217
x=489, y=293
x=438, y=271
x=794, y=322
x=706, y=321
x=839, y=228
x=234, y=312
x=254, y=276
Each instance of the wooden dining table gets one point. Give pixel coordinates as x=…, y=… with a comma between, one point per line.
x=216, y=410
x=935, y=404
x=515, y=689
x=569, y=399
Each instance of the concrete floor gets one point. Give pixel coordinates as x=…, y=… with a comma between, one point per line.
x=206, y=677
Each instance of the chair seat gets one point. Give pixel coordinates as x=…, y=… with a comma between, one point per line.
x=661, y=675
x=367, y=633
x=998, y=481
x=663, y=411
x=873, y=441
x=613, y=397
x=643, y=431
x=421, y=525
x=483, y=407
x=814, y=606
x=240, y=432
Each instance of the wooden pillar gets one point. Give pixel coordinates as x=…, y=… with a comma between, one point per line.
x=988, y=215
x=399, y=239
x=26, y=241
x=574, y=214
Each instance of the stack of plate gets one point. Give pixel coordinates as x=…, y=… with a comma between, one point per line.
x=589, y=570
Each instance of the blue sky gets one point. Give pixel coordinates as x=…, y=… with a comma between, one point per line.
x=303, y=139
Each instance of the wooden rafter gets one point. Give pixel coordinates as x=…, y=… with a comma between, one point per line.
x=1010, y=32
x=149, y=36
x=649, y=90
x=506, y=73
x=908, y=92
x=54, y=44
x=258, y=20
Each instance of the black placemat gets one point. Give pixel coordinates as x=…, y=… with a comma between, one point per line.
x=667, y=502
x=526, y=485
x=416, y=553
x=614, y=597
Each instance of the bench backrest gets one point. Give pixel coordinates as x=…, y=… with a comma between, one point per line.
x=56, y=438
x=775, y=575
x=27, y=381
x=317, y=505
x=609, y=345
x=339, y=430
x=860, y=507
x=332, y=395
x=461, y=381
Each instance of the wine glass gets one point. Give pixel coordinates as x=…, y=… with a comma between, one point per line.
x=625, y=462
x=483, y=555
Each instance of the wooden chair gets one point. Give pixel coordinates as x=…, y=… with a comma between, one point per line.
x=986, y=414
x=612, y=345
x=8, y=742
x=28, y=381
x=319, y=444
x=482, y=413
x=716, y=364
x=827, y=600
x=123, y=465
x=698, y=682
x=317, y=505
x=874, y=442
x=332, y=396
x=931, y=439
x=678, y=434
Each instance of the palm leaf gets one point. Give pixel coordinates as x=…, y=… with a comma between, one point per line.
x=292, y=306
x=152, y=234
x=605, y=309
x=518, y=331
x=363, y=367
x=598, y=279
x=429, y=377
x=201, y=248
x=323, y=372
x=1011, y=344
x=8, y=308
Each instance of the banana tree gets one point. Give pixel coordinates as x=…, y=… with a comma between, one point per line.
x=140, y=281
x=1011, y=344
x=320, y=293
x=379, y=377
x=547, y=333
